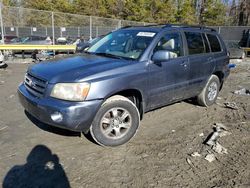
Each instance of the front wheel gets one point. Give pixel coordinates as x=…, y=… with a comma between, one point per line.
x=210, y=92
x=116, y=122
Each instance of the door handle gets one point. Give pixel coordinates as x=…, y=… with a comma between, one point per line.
x=184, y=64
x=210, y=59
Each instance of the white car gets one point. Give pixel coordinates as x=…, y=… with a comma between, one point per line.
x=2, y=64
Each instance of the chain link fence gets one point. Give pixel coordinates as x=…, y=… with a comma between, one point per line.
x=22, y=22
x=234, y=33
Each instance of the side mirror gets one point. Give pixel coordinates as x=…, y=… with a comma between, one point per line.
x=161, y=55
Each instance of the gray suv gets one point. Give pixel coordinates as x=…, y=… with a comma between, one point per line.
x=106, y=90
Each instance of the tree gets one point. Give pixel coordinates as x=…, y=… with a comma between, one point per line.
x=10, y=2
x=163, y=11
x=135, y=10
x=233, y=15
x=206, y=12
x=90, y=7
x=38, y=4
x=244, y=12
x=114, y=8
x=186, y=12
x=214, y=13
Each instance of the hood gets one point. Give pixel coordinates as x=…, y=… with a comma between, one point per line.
x=75, y=68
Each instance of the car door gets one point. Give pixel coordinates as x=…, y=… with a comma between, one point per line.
x=201, y=61
x=168, y=79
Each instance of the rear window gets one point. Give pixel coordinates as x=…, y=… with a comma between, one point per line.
x=195, y=43
x=214, y=43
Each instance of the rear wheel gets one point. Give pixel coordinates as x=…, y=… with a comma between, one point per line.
x=116, y=122
x=210, y=92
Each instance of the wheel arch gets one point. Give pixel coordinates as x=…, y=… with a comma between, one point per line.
x=220, y=75
x=134, y=95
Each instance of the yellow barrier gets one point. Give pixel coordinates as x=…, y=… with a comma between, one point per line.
x=246, y=49
x=36, y=47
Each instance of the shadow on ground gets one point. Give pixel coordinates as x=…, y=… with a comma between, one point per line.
x=51, y=129
x=55, y=130
x=42, y=169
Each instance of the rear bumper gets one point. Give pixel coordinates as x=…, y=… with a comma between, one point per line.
x=76, y=116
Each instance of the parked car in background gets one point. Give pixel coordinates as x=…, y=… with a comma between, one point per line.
x=106, y=90
x=9, y=38
x=30, y=40
x=39, y=40
x=61, y=41
x=65, y=40
x=3, y=65
x=236, y=52
x=16, y=40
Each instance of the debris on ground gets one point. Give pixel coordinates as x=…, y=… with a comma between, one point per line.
x=212, y=138
x=11, y=96
x=219, y=104
x=220, y=130
x=189, y=162
x=49, y=165
x=231, y=105
x=218, y=148
x=231, y=65
x=201, y=134
x=242, y=91
x=210, y=157
x=195, y=154
x=3, y=128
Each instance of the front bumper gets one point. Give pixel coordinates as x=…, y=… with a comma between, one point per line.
x=76, y=116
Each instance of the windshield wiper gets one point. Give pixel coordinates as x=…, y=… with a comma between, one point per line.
x=112, y=55
x=107, y=55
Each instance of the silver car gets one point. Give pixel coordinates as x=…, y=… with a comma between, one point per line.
x=236, y=52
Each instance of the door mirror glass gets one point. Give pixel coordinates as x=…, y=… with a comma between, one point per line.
x=163, y=55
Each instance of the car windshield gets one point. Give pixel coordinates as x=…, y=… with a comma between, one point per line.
x=123, y=44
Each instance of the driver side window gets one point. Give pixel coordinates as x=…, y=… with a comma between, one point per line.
x=170, y=42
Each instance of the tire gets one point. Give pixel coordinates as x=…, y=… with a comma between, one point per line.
x=210, y=92
x=116, y=122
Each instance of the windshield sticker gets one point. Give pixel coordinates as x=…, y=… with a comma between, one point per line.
x=146, y=34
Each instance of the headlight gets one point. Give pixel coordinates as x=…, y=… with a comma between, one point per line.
x=70, y=91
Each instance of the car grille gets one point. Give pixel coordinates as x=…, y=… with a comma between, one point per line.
x=35, y=85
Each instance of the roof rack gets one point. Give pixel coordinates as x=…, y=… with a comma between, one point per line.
x=175, y=25
x=154, y=25
x=127, y=26
x=190, y=26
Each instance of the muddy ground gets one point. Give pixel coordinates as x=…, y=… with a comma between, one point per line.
x=32, y=153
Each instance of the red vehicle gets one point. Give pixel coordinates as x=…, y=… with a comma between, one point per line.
x=8, y=38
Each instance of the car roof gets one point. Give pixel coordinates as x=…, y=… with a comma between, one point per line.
x=142, y=28
x=161, y=27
